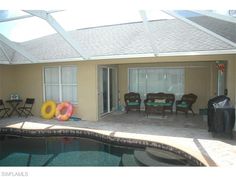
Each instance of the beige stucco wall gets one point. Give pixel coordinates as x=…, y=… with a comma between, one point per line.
x=1, y=81
x=27, y=80
x=7, y=81
x=231, y=79
x=29, y=84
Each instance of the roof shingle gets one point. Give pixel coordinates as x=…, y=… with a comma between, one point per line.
x=125, y=39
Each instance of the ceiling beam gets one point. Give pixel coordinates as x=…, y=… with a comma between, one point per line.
x=25, y=16
x=217, y=16
x=18, y=48
x=173, y=14
x=148, y=32
x=5, y=53
x=59, y=29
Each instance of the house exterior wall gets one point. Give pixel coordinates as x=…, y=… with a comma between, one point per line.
x=231, y=79
x=27, y=80
x=7, y=81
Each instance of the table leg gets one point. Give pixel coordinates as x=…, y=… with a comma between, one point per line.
x=12, y=111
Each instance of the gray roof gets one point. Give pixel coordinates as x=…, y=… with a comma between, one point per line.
x=123, y=39
x=10, y=52
x=221, y=27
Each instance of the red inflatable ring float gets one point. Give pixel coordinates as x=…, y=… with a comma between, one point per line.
x=64, y=111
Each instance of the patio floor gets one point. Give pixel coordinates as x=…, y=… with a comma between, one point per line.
x=186, y=133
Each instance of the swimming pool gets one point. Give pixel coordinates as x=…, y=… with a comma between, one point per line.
x=75, y=151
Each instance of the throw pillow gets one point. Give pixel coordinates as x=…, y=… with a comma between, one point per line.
x=160, y=101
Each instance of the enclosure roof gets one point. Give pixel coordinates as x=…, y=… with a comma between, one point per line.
x=162, y=37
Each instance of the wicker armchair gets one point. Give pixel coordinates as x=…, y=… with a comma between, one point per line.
x=132, y=101
x=186, y=102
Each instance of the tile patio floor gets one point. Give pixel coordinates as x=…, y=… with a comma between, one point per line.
x=186, y=133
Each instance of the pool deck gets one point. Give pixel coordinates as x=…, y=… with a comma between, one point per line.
x=196, y=141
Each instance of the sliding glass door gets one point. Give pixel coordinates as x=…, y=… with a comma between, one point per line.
x=107, y=89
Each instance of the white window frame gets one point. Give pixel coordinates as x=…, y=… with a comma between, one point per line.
x=177, y=67
x=60, y=81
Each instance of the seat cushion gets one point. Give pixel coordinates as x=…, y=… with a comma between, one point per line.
x=159, y=104
x=155, y=104
x=133, y=103
x=168, y=104
x=183, y=104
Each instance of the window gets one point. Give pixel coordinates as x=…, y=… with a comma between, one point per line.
x=154, y=80
x=60, y=83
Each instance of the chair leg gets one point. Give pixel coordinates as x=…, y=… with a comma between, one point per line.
x=20, y=113
x=27, y=113
x=146, y=111
x=192, y=112
x=5, y=113
x=126, y=109
x=186, y=113
x=163, y=113
x=8, y=115
x=24, y=112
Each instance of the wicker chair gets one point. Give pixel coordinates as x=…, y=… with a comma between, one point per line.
x=132, y=101
x=186, y=102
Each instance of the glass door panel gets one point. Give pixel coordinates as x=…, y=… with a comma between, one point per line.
x=107, y=90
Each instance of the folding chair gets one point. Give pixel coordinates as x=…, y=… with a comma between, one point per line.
x=25, y=110
x=4, y=109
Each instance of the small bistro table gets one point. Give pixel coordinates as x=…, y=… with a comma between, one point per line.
x=14, y=104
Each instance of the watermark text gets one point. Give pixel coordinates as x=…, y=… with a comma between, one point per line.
x=15, y=173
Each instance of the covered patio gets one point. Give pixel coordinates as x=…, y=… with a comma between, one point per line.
x=155, y=119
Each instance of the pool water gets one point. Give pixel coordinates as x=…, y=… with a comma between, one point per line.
x=64, y=151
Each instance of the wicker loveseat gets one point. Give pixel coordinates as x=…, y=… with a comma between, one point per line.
x=159, y=102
